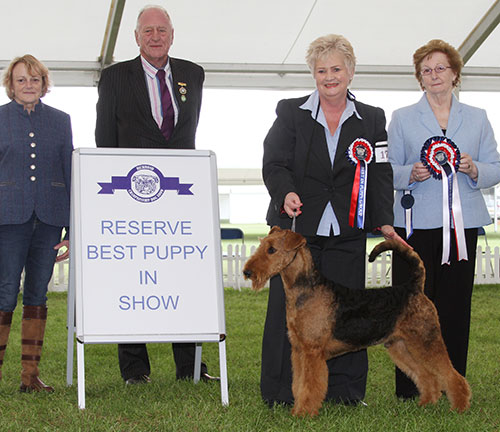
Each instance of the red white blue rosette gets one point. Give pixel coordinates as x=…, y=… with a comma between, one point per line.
x=436, y=152
x=441, y=156
x=360, y=154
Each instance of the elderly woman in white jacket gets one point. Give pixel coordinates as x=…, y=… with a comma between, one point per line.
x=443, y=153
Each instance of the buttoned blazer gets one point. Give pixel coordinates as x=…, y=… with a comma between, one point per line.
x=35, y=164
x=470, y=130
x=124, y=117
x=296, y=160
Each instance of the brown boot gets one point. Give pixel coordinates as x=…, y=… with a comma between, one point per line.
x=33, y=329
x=5, y=320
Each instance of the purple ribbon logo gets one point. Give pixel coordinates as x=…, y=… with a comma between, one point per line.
x=145, y=183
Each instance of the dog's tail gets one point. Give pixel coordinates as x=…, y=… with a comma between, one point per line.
x=417, y=269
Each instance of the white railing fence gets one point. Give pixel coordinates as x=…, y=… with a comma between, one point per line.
x=378, y=273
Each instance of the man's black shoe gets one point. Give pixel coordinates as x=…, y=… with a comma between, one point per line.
x=206, y=377
x=140, y=379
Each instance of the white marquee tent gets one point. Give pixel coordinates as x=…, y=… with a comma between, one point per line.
x=254, y=45
x=257, y=43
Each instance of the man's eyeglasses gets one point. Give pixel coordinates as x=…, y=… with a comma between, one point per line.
x=438, y=69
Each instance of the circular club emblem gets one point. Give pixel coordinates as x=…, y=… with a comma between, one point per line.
x=360, y=150
x=145, y=183
x=407, y=201
x=437, y=152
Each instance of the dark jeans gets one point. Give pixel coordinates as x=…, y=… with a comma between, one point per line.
x=31, y=246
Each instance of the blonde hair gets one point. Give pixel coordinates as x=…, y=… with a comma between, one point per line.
x=326, y=45
x=34, y=67
x=438, y=45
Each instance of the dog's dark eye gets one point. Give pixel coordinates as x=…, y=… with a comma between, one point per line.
x=271, y=250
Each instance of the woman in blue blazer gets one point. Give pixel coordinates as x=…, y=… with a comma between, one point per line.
x=35, y=172
x=436, y=145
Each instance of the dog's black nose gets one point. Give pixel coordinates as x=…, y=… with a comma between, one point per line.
x=247, y=273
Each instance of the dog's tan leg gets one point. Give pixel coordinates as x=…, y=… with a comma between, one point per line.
x=435, y=357
x=425, y=380
x=458, y=391
x=311, y=388
x=426, y=345
x=297, y=371
x=437, y=373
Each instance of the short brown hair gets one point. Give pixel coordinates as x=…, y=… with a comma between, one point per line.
x=326, y=45
x=34, y=67
x=438, y=45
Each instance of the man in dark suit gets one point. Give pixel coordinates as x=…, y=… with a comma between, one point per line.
x=152, y=101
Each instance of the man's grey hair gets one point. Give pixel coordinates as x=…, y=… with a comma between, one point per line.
x=145, y=8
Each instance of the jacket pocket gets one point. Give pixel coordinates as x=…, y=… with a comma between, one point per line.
x=7, y=183
x=57, y=184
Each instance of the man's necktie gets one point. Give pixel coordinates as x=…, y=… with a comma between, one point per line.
x=167, y=109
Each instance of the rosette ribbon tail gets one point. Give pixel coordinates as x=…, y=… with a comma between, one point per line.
x=360, y=154
x=408, y=219
x=363, y=181
x=458, y=220
x=354, y=195
x=452, y=210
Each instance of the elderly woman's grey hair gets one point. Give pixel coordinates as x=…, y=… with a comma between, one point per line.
x=145, y=8
x=326, y=45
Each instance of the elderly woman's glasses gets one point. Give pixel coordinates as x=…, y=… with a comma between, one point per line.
x=438, y=69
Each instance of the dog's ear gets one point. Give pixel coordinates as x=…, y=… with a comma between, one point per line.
x=275, y=228
x=294, y=240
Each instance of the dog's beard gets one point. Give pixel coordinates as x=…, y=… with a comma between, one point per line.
x=258, y=284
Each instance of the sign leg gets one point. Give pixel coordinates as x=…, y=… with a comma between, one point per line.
x=197, y=363
x=81, y=374
x=71, y=335
x=69, y=356
x=223, y=373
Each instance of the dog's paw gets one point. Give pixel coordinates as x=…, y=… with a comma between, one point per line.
x=303, y=412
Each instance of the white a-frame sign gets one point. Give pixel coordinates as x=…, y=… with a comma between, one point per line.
x=146, y=259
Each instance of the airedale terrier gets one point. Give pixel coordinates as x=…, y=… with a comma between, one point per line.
x=326, y=320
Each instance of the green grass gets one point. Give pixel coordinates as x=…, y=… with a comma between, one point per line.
x=169, y=405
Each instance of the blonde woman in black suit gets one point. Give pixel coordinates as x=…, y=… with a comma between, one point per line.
x=319, y=147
